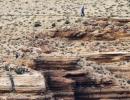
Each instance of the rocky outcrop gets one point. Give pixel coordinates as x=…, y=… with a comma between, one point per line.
x=21, y=86
x=55, y=70
x=97, y=29
x=77, y=84
x=85, y=62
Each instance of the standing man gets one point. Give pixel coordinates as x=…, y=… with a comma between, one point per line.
x=82, y=11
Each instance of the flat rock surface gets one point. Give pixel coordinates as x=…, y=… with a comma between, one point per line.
x=30, y=82
x=5, y=83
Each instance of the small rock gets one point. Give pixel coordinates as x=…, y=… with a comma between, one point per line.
x=67, y=22
x=46, y=49
x=53, y=25
x=37, y=24
x=25, y=49
x=102, y=23
x=116, y=28
x=90, y=28
x=36, y=50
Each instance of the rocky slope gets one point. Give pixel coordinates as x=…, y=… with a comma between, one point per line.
x=86, y=60
x=47, y=51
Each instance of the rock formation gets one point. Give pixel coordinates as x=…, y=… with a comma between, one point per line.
x=87, y=62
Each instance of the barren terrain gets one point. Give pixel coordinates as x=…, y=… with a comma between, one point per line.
x=49, y=52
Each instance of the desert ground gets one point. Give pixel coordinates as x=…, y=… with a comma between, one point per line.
x=49, y=52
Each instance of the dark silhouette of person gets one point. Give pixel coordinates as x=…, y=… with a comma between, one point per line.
x=17, y=55
x=82, y=11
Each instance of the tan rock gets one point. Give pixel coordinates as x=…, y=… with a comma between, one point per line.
x=31, y=82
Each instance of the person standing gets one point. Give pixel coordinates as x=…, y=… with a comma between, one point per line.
x=82, y=11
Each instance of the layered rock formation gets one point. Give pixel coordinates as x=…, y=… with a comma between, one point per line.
x=49, y=52
x=84, y=83
x=88, y=75
x=89, y=61
x=26, y=86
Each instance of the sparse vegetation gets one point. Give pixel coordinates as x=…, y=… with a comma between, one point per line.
x=21, y=70
x=67, y=22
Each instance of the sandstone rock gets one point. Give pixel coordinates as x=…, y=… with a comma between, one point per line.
x=57, y=60
x=61, y=84
x=123, y=20
x=32, y=82
x=95, y=77
x=5, y=84
x=90, y=28
x=118, y=23
x=116, y=28
x=16, y=96
x=46, y=49
x=102, y=23
x=36, y=50
x=128, y=25
x=25, y=49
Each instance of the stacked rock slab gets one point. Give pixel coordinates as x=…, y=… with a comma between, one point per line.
x=106, y=89
x=75, y=84
x=27, y=86
x=55, y=69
